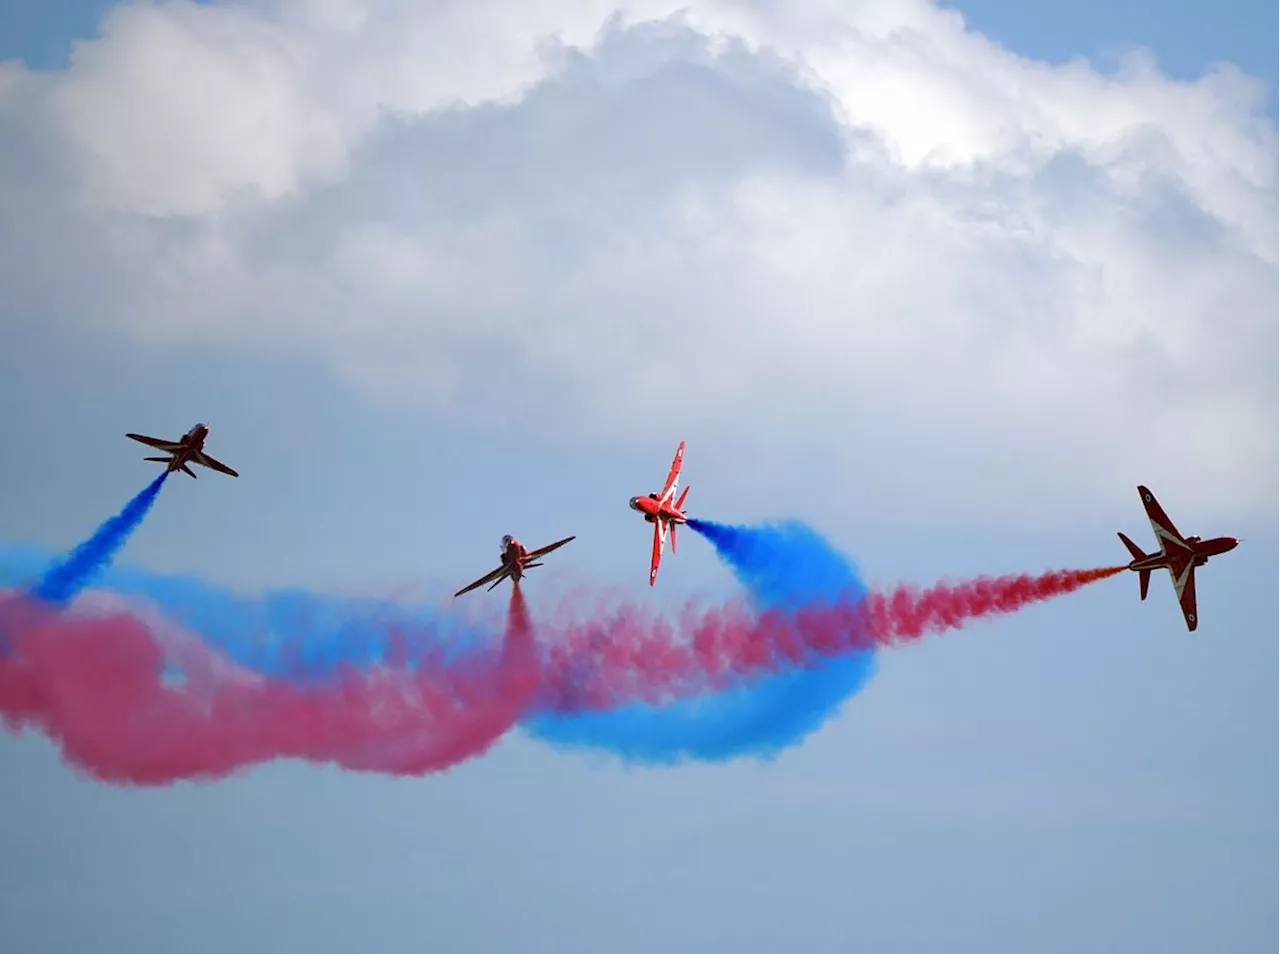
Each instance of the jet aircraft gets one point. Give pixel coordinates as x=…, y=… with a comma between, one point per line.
x=1178, y=554
x=662, y=513
x=515, y=561
x=189, y=449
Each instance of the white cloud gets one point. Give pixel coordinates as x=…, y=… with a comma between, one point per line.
x=820, y=222
x=11, y=77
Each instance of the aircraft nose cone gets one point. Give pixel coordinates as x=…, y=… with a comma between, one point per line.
x=632, y=503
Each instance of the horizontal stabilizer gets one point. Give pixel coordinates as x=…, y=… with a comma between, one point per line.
x=1144, y=580
x=188, y=471
x=680, y=502
x=1134, y=550
x=159, y=460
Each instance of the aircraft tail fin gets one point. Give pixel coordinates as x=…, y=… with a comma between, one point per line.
x=680, y=506
x=1144, y=576
x=1134, y=550
x=530, y=566
x=673, y=537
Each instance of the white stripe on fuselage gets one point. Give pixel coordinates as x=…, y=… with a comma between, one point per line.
x=1180, y=582
x=671, y=491
x=1165, y=537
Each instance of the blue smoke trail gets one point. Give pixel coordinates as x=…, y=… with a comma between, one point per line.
x=783, y=566
x=288, y=633
x=65, y=579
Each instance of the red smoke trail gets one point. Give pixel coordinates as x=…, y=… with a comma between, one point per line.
x=907, y=614
x=97, y=686
x=632, y=657
x=490, y=702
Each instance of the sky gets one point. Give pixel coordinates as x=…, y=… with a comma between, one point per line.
x=945, y=283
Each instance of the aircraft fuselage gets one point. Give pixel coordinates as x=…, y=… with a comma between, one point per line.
x=192, y=442
x=513, y=554
x=653, y=509
x=1175, y=559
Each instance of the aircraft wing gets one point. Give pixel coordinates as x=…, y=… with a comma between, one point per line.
x=171, y=446
x=659, y=539
x=205, y=460
x=1186, y=590
x=1161, y=525
x=493, y=576
x=669, y=487
x=543, y=551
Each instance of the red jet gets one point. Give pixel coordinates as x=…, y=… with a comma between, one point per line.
x=188, y=449
x=515, y=560
x=1178, y=554
x=662, y=513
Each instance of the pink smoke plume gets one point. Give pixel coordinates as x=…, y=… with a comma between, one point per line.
x=97, y=685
